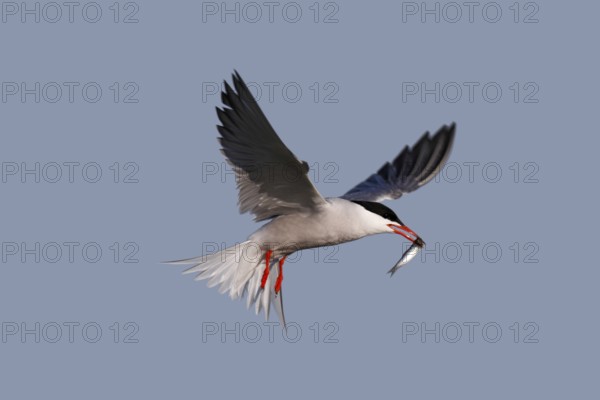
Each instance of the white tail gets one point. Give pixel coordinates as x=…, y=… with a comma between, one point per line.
x=239, y=271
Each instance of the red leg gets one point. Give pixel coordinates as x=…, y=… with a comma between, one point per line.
x=263, y=282
x=280, y=277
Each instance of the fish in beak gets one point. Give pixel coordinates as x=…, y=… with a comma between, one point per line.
x=412, y=251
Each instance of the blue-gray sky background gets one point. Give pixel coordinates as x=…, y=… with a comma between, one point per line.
x=364, y=66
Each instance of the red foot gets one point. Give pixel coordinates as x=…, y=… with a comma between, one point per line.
x=263, y=282
x=280, y=277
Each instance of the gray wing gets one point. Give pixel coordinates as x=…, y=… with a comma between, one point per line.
x=271, y=180
x=411, y=169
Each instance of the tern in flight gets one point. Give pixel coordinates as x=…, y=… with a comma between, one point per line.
x=273, y=185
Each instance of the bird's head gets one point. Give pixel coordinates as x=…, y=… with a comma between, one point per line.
x=386, y=221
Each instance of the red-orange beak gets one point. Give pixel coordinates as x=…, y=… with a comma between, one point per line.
x=407, y=233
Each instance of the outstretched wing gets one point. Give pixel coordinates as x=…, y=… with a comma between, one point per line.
x=271, y=180
x=411, y=169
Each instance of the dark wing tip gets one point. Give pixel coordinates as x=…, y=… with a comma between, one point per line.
x=236, y=75
x=441, y=146
x=305, y=167
x=237, y=80
x=415, y=166
x=445, y=134
x=226, y=94
x=411, y=168
x=451, y=133
x=241, y=91
x=448, y=131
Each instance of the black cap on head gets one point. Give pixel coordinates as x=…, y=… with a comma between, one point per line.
x=379, y=209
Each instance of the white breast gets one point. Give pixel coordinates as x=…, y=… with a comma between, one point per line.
x=337, y=222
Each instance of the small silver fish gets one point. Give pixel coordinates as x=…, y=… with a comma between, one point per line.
x=408, y=255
